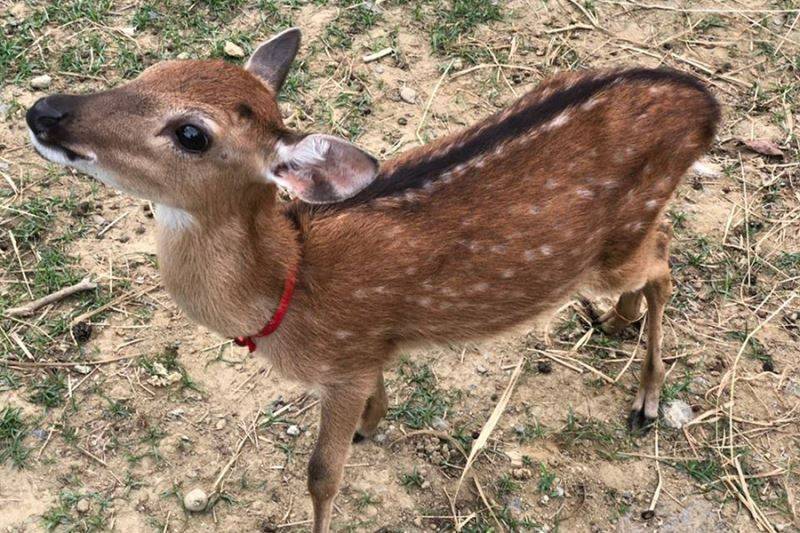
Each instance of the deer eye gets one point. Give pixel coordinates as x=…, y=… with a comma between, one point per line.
x=192, y=138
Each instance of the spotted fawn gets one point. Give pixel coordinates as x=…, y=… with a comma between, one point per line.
x=466, y=237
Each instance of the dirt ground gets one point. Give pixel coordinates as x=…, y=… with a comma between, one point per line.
x=113, y=406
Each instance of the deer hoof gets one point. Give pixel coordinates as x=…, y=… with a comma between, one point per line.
x=638, y=422
x=358, y=437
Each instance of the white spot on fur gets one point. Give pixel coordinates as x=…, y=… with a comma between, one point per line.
x=535, y=210
x=530, y=255
x=424, y=301
x=557, y=122
x=411, y=270
x=550, y=183
x=584, y=193
x=172, y=218
x=592, y=103
x=545, y=249
x=507, y=273
x=651, y=204
x=498, y=249
x=448, y=291
x=343, y=334
x=480, y=287
x=359, y=293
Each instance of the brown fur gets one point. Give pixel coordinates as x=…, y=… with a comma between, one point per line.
x=491, y=239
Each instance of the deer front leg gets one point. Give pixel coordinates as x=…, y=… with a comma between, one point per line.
x=374, y=411
x=341, y=409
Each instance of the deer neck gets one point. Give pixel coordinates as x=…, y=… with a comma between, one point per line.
x=226, y=264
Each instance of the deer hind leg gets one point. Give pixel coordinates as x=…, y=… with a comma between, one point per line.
x=374, y=411
x=341, y=408
x=651, y=378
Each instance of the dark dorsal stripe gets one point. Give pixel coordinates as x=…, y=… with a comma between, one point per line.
x=417, y=173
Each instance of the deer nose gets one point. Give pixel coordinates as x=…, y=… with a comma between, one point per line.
x=47, y=113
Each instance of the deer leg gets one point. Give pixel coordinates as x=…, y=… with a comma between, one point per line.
x=645, y=407
x=341, y=408
x=623, y=314
x=374, y=411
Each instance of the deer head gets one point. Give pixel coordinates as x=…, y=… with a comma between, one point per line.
x=197, y=134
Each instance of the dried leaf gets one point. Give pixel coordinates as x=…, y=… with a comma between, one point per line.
x=764, y=147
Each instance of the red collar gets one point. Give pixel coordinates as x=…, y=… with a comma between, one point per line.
x=277, y=318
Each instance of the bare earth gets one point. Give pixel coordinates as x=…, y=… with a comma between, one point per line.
x=114, y=446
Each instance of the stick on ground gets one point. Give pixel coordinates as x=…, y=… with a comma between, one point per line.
x=31, y=307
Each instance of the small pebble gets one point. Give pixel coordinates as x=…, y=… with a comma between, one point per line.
x=402, y=121
x=195, y=500
x=544, y=367
x=220, y=424
x=182, y=56
x=41, y=82
x=293, y=430
x=481, y=369
x=677, y=413
x=521, y=473
x=408, y=95
x=82, y=506
x=232, y=50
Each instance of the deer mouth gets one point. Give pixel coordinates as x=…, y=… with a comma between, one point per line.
x=57, y=153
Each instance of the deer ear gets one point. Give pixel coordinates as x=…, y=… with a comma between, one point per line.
x=272, y=60
x=322, y=169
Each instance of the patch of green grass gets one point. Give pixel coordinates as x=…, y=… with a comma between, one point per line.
x=789, y=261
x=365, y=499
x=546, y=480
x=117, y=409
x=581, y=431
x=151, y=440
x=412, y=480
x=506, y=516
x=86, y=56
x=13, y=430
x=674, y=388
x=425, y=400
x=505, y=485
x=459, y=19
x=73, y=10
x=8, y=380
x=530, y=432
x=354, y=18
x=63, y=517
x=704, y=471
x=53, y=271
x=710, y=22
x=49, y=391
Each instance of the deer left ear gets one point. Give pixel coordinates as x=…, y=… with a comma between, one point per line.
x=322, y=169
x=272, y=60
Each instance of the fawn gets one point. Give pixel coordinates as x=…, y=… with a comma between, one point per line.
x=463, y=238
